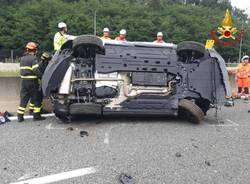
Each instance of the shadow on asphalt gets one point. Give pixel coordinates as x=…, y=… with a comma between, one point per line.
x=127, y=120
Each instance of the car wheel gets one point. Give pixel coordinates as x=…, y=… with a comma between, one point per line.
x=190, y=49
x=67, y=45
x=89, y=41
x=203, y=104
x=189, y=110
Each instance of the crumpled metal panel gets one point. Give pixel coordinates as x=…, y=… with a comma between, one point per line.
x=206, y=81
x=55, y=73
x=214, y=54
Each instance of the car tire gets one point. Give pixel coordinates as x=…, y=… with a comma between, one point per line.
x=203, y=104
x=67, y=45
x=89, y=41
x=189, y=110
x=190, y=49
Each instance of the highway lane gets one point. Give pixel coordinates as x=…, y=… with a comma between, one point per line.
x=151, y=150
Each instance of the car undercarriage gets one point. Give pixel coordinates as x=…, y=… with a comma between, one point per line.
x=89, y=76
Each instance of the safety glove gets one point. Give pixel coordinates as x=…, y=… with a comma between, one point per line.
x=46, y=56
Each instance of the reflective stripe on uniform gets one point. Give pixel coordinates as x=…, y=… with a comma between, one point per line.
x=37, y=109
x=21, y=108
x=29, y=77
x=34, y=66
x=31, y=106
x=26, y=68
x=20, y=112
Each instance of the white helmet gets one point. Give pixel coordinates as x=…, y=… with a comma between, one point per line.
x=123, y=32
x=159, y=34
x=106, y=29
x=61, y=25
x=245, y=57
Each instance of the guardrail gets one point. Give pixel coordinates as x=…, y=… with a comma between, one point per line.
x=232, y=64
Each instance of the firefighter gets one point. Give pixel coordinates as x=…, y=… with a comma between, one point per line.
x=242, y=77
x=122, y=36
x=106, y=34
x=159, y=38
x=29, y=71
x=61, y=37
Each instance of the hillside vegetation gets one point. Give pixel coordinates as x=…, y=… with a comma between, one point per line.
x=179, y=20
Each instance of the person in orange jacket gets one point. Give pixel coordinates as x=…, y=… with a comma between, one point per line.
x=242, y=77
x=122, y=36
x=106, y=34
x=159, y=38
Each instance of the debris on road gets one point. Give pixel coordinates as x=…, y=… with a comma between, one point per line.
x=195, y=146
x=221, y=122
x=8, y=114
x=4, y=117
x=84, y=133
x=178, y=154
x=229, y=103
x=207, y=163
x=70, y=128
x=126, y=179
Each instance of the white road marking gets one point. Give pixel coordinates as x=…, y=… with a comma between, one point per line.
x=49, y=127
x=107, y=134
x=14, y=118
x=26, y=176
x=233, y=122
x=106, y=139
x=60, y=176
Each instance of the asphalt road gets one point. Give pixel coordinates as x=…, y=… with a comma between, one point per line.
x=150, y=150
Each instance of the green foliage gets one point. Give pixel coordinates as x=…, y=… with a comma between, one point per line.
x=25, y=20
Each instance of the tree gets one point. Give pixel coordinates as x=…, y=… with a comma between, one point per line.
x=25, y=20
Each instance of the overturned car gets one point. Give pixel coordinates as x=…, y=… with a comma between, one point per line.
x=89, y=76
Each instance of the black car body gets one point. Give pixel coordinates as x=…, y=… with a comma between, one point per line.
x=94, y=77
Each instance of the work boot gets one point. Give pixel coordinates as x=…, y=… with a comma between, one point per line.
x=43, y=111
x=20, y=118
x=38, y=117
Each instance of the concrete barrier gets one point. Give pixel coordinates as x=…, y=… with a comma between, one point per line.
x=10, y=92
x=9, y=66
x=10, y=95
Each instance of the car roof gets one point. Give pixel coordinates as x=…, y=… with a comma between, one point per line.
x=138, y=44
